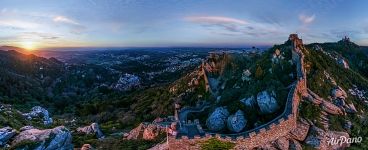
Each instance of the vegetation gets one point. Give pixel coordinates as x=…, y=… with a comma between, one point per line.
x=25, y=145
x=214, y=143
x=122, y=144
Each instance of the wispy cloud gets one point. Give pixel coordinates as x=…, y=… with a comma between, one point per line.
x=232, y=26
x=215, y=20
x=63, y=19
x=18, y=24
x=75, y=26
x=305, y=19
x=39, y=35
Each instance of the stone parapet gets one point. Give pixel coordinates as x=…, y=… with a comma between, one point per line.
x=271, y=131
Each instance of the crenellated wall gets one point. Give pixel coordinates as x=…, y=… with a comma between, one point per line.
x=271, y=131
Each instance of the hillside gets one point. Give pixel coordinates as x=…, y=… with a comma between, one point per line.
x=251, y=87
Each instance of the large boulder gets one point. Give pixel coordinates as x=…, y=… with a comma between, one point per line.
x=331, y=108
x=334, y=136
x=338, y=92
x=217, y=120
x=250, y=101
x=58, y=138
x=87, y=147
x=39, y=112
x=315, y=138
x=350, y=108
x=91, y=129
x=320, y=139
x=5, y=134
x=343, y=63
x=236, y=122
x=152, y=131
x=146, y=131
x=267, y=102
x=136, y=133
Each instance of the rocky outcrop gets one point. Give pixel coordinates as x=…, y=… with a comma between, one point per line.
x=343, y=63
x=301, y=130
x=217, y=120
x=336, y=135
x=48, y=139
x=331, y=108
x=267, y=102
x=338, y=92
x=39, y=112
x=146, y=131
x=351, y=108
x=160, y=146
x=282, y=143
x=91, y=129
x=313, y=97
x=152, y=131
x=315, y=138
x=267, y=146
x=320, y=139
x=236, y=122
x=295, y=145
x=5, y=134
x=87, y=147
x=250, y=101
x=26, y=128
x=136, y=133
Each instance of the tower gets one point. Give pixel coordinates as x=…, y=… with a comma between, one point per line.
x=177, y=108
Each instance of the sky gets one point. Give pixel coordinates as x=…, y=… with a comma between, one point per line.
x=40, y=24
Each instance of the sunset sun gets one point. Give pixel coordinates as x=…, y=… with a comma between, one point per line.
x=28, y=45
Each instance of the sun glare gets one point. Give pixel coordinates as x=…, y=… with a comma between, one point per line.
x=29, y=45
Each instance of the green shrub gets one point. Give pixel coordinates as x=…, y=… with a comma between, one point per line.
x=215, y=144
x=26, y=144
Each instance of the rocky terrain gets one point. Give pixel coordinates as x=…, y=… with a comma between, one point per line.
x=49, y=104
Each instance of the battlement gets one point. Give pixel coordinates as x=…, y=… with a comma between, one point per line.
x=274, y=129
x=296, y=41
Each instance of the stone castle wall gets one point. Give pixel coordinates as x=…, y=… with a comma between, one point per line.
x=207, y=84
x=278, y=127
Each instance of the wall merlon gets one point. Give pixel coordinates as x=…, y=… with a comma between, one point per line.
x=252, y=134
x=263, y=130
x=239, y=138
x=273, y=125
x=281, y=120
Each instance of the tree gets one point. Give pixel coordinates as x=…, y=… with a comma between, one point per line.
x=259, y=73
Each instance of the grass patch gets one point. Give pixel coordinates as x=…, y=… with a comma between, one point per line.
x=214, y=143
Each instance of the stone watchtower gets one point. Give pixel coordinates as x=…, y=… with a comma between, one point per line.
x=296, y=43
x=298, y=59
x=176, y=113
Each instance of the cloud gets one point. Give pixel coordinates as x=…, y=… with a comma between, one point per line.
x=39, y=35
x=18, y=24
x=216, y=20
x=306, y=19
x=63, y=19
x=231, y=26
x=75, y=27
